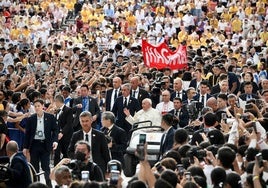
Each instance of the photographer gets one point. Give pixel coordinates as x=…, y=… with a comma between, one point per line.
x=82, y=162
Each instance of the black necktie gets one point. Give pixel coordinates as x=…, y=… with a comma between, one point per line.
x=87, y=138
x=176, y=112
x=108, y=132
x=115, y=94
x=133, y=93
x=203, y=100
x=125, y=103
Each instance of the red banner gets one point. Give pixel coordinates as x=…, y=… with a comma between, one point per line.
x=161, y=56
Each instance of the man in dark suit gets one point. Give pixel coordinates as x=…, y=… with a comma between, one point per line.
x=195, y=83
x=136, y=91
x=178, y=91
x=64, y=118
x=85, y=103
x=168, y=136
x=19, y=170
x=112, y=94
x=99, y=148
x=165, y=84
x=40, y=137
x=125, y=102
x=115, y=136
x=248, y=87
x=190, y=96
x=180, y=113
x=203, y=96
x=223, y=88
x=216, y=88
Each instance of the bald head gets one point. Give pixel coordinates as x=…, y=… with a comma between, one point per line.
x=117, y=82
x=134, y=82
x=177, y=84
x=12, y=147
x=212, y=103
x=166, y=96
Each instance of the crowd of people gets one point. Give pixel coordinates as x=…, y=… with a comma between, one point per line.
x=73, y=84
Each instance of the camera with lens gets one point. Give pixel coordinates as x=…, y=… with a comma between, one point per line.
x=77, y=164
x=74, y=164
x=156, y=91
x=195, y=152
x=158, y=84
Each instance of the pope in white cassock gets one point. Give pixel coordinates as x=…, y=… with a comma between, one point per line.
x=147, y=113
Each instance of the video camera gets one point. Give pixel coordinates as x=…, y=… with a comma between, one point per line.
x=195, y=152
x=76, y=165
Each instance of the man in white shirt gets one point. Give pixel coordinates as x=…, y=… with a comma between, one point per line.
x=142, y=26
x=145, y=114
x=170, y=30
x=151, y=34
x=188, y=21
x=166, y=105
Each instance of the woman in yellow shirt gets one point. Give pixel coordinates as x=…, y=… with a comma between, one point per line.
x=233, y=9
x=182, y=35
x=174, y=41
x=248, y=9
x=131, y=19
x=14, y=33
x=26, y=31
x=236, y=24
x=160, y=9
x=226, y=15
x=85, y=14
